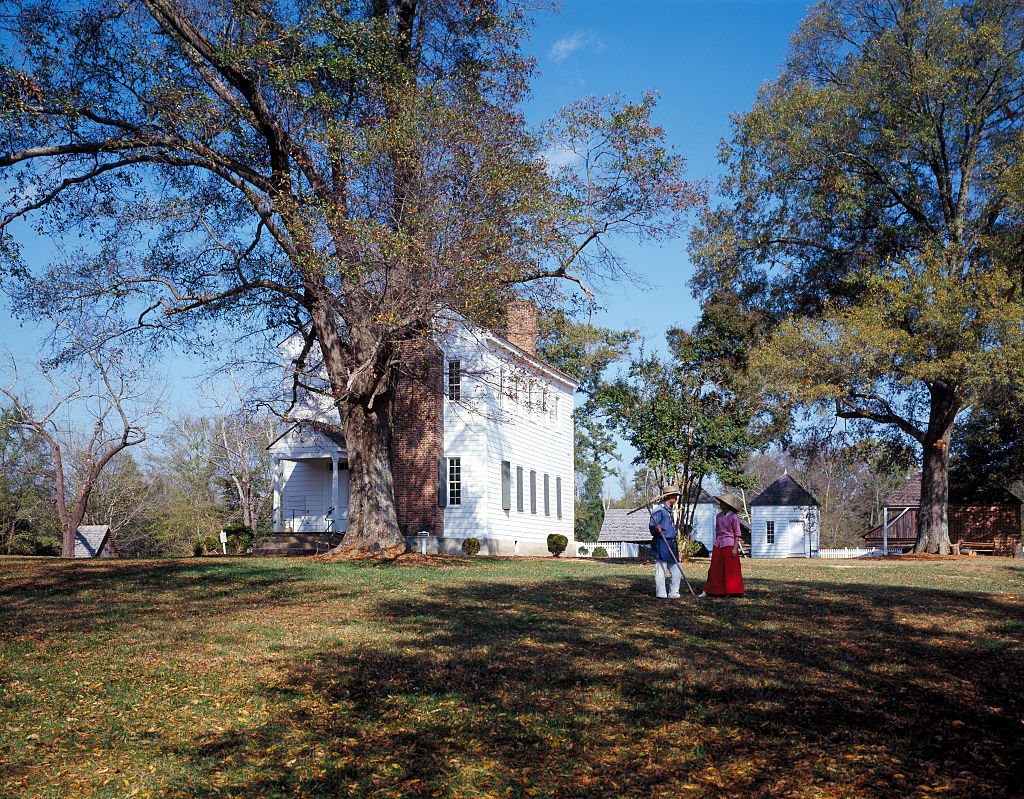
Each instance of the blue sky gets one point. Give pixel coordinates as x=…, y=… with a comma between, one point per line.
x=706, y=59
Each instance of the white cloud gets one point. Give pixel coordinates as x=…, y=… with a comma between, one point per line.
x=568, y=45
x=558, y=156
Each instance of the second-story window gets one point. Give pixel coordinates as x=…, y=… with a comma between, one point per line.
x=454, y=380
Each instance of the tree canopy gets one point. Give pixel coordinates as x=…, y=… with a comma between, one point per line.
x=341, y=170
x=870, y=215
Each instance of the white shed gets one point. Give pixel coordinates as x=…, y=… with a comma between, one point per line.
x=785, y=521
x=93, y=541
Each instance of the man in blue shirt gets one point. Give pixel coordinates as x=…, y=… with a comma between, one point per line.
x=664, y=547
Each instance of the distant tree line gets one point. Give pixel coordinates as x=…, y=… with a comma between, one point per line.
x=202, y=474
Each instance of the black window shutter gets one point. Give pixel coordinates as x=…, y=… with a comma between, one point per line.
x=506, y=485
x=442, y=482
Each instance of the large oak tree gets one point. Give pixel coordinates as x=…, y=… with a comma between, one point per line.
x=869, y=212
x=341, y=169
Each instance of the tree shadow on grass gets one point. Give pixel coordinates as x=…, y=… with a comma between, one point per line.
x=587, y=688
x=41, y=598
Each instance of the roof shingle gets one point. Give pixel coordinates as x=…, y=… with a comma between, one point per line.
x=785, y=492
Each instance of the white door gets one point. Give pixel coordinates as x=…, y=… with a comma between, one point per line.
x=797, y=539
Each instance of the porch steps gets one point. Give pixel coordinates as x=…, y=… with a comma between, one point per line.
x=298, y=544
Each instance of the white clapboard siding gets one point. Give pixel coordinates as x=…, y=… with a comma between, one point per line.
x=507, y=413
x=704, y=524
x=796, y=531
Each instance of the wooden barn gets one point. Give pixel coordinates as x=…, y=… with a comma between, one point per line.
x=984, y=519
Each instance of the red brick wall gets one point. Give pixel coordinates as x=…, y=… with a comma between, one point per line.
x=417, y=441
x=999, y=524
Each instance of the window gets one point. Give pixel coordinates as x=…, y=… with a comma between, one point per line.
x=769, y=532
x=455, y=481
x=533, y=491
x=547, y=495
x=506, y=485
x=454, y=380
x=519, y=489
x=558, y=497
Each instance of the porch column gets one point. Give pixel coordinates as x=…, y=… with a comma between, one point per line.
x=885, y=531
x=277, y=495
x=334, y=490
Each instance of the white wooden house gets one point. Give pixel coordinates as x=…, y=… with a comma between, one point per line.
x=483, y=447
x=785, y=521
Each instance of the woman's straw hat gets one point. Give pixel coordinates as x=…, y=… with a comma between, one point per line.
x=729, y=499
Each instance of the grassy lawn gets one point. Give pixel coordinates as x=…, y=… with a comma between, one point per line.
x=485, y=677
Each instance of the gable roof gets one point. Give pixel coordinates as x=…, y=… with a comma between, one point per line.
x=621, y=524
x=89, y=540
x=784, y=492
x=908, y=495
x=332, y=432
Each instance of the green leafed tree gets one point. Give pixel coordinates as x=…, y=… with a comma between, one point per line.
x=684, y=416
x=871, y=215
x=334, y=169
x=26, y=514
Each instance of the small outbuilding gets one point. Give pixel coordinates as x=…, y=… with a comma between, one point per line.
x=785, y=521
x=622, y=534
x=93, y=541
x=985, y=518
x=626, y=530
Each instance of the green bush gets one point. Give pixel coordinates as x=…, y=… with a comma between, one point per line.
x=691, y=548
x=600, y=552
x=197, y=548
x=557, y=544
x=240, y=537
x=582, y=551
x=211, y=544
x=470, y=546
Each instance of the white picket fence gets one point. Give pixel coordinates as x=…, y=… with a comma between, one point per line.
x=849, y=552
x=615, y=549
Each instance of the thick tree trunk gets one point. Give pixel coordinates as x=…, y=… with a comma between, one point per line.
x=932, y=517
x=373, y=521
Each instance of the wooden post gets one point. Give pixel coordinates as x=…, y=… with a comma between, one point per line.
x=885, y=531
x=334, y=490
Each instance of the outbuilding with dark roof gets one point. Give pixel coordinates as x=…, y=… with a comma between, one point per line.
x=93, y=541
x=987, y=515
x=785, y=521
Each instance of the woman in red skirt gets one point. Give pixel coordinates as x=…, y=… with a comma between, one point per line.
x=724, y=576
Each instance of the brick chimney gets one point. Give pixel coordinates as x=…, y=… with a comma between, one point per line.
x=522, y=325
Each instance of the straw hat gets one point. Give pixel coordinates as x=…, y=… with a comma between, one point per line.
x=729, y=499
x=670, y=491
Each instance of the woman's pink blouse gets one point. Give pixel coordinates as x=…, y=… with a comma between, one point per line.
x=727, y=529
